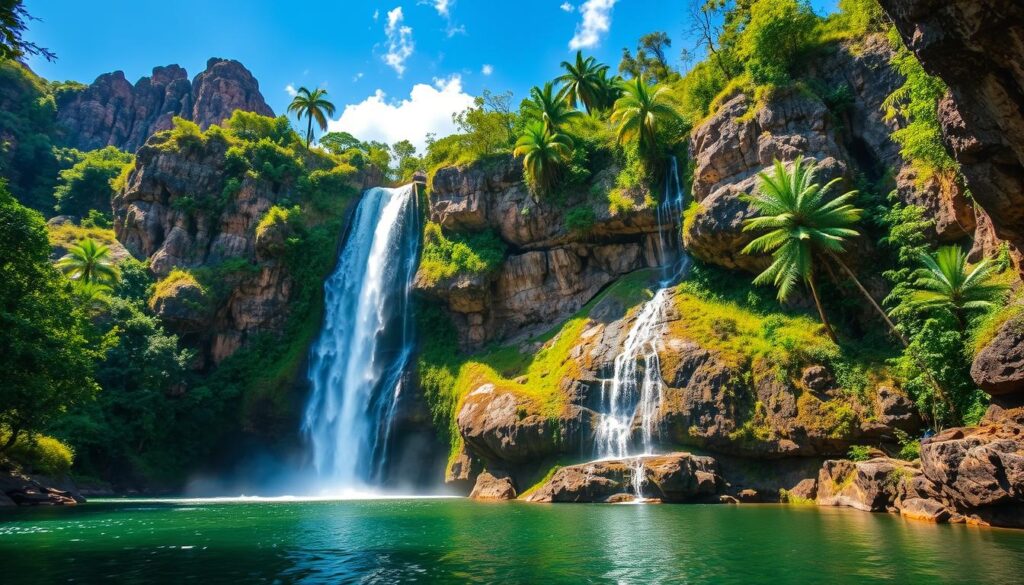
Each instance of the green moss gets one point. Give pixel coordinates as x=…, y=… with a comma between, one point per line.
x=276, y=216
x=66, y=234
x=787, y=497
x=170, y=285
x=989, y=327
x=859, y=453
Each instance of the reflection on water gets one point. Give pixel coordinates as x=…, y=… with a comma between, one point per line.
x=386, y=541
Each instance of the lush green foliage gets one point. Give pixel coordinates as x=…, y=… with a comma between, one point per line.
x=89, y=261
x=650, y=62
x=39, y=454
x=446, y=256
x=802, y=225
x=776, y=35
x=916, y=103
x=640, y=113
x=89, y=184
x=314, y=106
x=46, y=364
x=945, y=282
x=13, y=22
x=544, y=154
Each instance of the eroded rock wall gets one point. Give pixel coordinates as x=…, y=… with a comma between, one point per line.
x=114, y=112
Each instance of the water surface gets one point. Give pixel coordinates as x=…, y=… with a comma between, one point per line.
x=455, y=541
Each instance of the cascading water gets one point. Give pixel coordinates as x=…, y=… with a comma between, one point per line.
x=634, y=392
x=358, y=363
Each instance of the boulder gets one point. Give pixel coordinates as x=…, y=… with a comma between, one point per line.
x=493, y=485
x=977, y=467
x=895, y=410
x=998, y=368
x=871, y=486
x=676, y=477
x=501, y=425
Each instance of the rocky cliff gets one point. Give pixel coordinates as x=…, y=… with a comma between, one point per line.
x=977, y=48
x=113, y=112
x=551, y=270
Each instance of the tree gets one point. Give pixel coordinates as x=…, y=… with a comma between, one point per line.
x=13, y=22
x=312, y=105
x=340, y=142
x=639, y=113
x=405, y=157
x=582, y=82
x=486, y=127
x=945, y=282
x=544, y=153
x=88, y=184
x=91, y=262
x=550, y=107
x=801, y=226
x=650, y=62
x=47, y=360
x=778, y=32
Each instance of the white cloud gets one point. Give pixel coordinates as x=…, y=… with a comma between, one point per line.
x=597, y=21
x=567, y=7
x=357, y=76
x=428, y=109
x=487, y=69
x=290, y=90
x=376, y=14
x=442, y=7
x=400, y=44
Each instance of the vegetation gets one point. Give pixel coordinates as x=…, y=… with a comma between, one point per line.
x=804, y=226
x=445, y=256
x=640, y=112
x=46, y=365
x=544, y=154
x=13, y=21
x=313, y=105
x=946, y=283
x=88, y=186
x=90, y=262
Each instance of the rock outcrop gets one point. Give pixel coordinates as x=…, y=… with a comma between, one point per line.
x=998, y=368
x=739, y=141
x=870, y=486
x=551, y=270
x=976, y=47
x=675, y=477
x=18, y=489
x=178, y=211
x=113, y=112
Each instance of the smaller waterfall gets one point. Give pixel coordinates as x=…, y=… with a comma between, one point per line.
x=358, y=363
x=634, y=393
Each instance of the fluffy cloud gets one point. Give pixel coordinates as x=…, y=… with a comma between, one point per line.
x=442, y=7
x=567, y=7
x=290, y=90
x=428, y=109
x=596, y=22
x=400, y=44
x=487, y=69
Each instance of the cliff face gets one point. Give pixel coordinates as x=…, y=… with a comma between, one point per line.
x=551, y=270
x=113, y=112
x=977, y=48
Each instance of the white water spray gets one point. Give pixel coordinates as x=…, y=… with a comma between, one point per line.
x=634, y=394
x=358, y=363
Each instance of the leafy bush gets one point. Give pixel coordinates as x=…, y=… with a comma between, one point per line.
x=444, y=257
x=859, y=453
x=779, y=31
x=40, y=454
x=89, y=184
x=580, y=219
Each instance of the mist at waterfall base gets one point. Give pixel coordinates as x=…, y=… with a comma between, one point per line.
x=358, y=372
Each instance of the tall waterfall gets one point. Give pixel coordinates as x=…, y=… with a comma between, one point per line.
x=634, y=393
x=357, y=364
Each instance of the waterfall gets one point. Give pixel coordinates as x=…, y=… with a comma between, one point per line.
x=357, y=364
x=633, y=394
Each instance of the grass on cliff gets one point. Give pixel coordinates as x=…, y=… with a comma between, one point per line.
x=447, y=255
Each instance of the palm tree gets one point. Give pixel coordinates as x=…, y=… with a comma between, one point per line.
x=92, y=294
x=544, y=152
x=640, y=111
x=311, y=105
x=550, y=107
x=801, y=225
x=91, y=262
x=611, y=90
x=582, y=82
x=946, y=282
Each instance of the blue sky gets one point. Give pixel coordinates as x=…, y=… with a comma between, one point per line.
x=400, y=66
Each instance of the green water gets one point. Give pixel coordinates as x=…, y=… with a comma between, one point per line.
x=428, y=541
